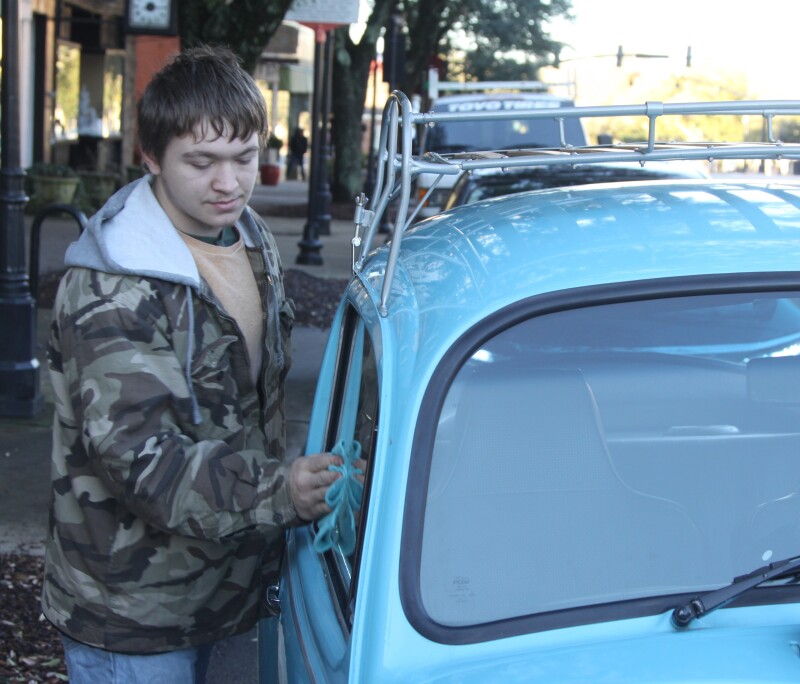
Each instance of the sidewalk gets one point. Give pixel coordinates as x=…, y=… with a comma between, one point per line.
x=25, y=443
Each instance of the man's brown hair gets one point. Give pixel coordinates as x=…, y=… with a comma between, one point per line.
x=202, y=86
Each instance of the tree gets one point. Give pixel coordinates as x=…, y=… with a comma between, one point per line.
x=687, y=88
x=245, y=26
x=490, y=27
x=502, y=39
x=351, y=71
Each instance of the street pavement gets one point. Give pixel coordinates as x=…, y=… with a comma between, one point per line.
x=25, y=442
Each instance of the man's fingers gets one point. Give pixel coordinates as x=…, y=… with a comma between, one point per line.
x=309, y=481
x=323, y=461
x=325, y=478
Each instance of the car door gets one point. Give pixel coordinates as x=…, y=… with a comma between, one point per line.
x=310, y=641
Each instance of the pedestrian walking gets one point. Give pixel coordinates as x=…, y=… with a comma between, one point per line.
x=298, y=146
x=169, y=349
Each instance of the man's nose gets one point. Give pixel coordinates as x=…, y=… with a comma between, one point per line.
x=225, y=177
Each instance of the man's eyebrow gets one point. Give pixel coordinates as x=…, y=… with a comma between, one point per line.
x=204, y=154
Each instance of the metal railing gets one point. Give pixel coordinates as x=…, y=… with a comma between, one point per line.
x=36, y=230
x=397, y=167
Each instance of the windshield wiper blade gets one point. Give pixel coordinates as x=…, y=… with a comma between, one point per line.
x=699, y=606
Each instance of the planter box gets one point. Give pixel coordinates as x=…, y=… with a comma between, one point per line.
x=52, y=190
x=98, y=187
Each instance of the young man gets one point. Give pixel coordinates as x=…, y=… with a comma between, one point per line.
x=168, y=354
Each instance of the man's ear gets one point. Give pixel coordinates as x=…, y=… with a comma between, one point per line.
x=151, y=163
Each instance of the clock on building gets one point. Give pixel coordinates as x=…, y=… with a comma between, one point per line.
x=151, y=16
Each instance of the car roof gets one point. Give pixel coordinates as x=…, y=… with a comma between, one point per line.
x=609, y=170
x=456, y=268
x=482, y=97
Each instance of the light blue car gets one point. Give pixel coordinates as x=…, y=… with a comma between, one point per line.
x=580, y=410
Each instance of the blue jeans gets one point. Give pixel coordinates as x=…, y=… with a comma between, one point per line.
x=89, y=665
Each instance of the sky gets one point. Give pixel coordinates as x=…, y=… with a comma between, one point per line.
x=758, y=39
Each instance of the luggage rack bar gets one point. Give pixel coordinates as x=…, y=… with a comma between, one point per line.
x=397, y=167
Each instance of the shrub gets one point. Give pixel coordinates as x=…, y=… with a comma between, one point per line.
x=52, y=170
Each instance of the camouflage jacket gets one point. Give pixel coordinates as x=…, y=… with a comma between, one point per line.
x=170, y=488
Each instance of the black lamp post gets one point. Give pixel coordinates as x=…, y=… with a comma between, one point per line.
x=20, y=394
x=323, y=191
x=319, y=196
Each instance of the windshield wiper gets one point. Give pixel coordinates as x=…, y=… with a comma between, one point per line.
x=699, y=606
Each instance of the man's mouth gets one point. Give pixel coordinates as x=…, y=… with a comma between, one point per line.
x=226, y=204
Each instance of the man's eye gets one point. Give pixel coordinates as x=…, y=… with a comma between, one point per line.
x=244, y=161
x=200, y=166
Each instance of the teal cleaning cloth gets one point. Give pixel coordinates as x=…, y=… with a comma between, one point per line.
x=344, y=498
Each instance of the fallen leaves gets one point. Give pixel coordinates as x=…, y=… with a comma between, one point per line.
x=30, y=647
x=315, y=299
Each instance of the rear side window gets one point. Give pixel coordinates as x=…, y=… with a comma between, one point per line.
x=613, y=453
x=455, y=136
x=353, y=418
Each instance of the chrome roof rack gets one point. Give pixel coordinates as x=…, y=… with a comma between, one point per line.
x=397, y=167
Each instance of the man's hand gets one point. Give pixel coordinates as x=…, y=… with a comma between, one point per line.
x=361, y=464
x=309, y=479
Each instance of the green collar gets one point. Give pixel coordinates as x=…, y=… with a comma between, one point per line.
x=227, y=237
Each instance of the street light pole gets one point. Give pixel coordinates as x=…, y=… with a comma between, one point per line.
x=323, y=199
x=20, y=394
x=310, y=245
x=319, y=195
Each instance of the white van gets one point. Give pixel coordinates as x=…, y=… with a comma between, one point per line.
x=462, y=136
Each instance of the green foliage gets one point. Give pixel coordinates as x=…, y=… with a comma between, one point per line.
x=274, y=142
x=243, y=25
x=481, y=66
x=493, y=27
x=789, y=130
x=496, y=28
x=351, y=72
x=692, y=88
x=489, y=31
x=51, y=170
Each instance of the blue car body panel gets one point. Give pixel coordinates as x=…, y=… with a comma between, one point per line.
x=454, y=271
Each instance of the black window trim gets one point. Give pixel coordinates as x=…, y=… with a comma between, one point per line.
x=341, y=588
x=422, y=447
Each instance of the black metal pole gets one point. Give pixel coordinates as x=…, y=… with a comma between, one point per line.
x=310, y=246
x=370, y=184
x=323, y=194
x=20, y=394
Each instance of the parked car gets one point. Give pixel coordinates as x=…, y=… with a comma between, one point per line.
x=484, y=184
x=580, y=410
x=526, y=129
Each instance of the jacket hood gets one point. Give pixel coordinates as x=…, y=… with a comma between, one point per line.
x=132, y=235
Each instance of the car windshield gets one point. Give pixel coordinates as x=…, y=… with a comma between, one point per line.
x=615, y=452
x=452, y=136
